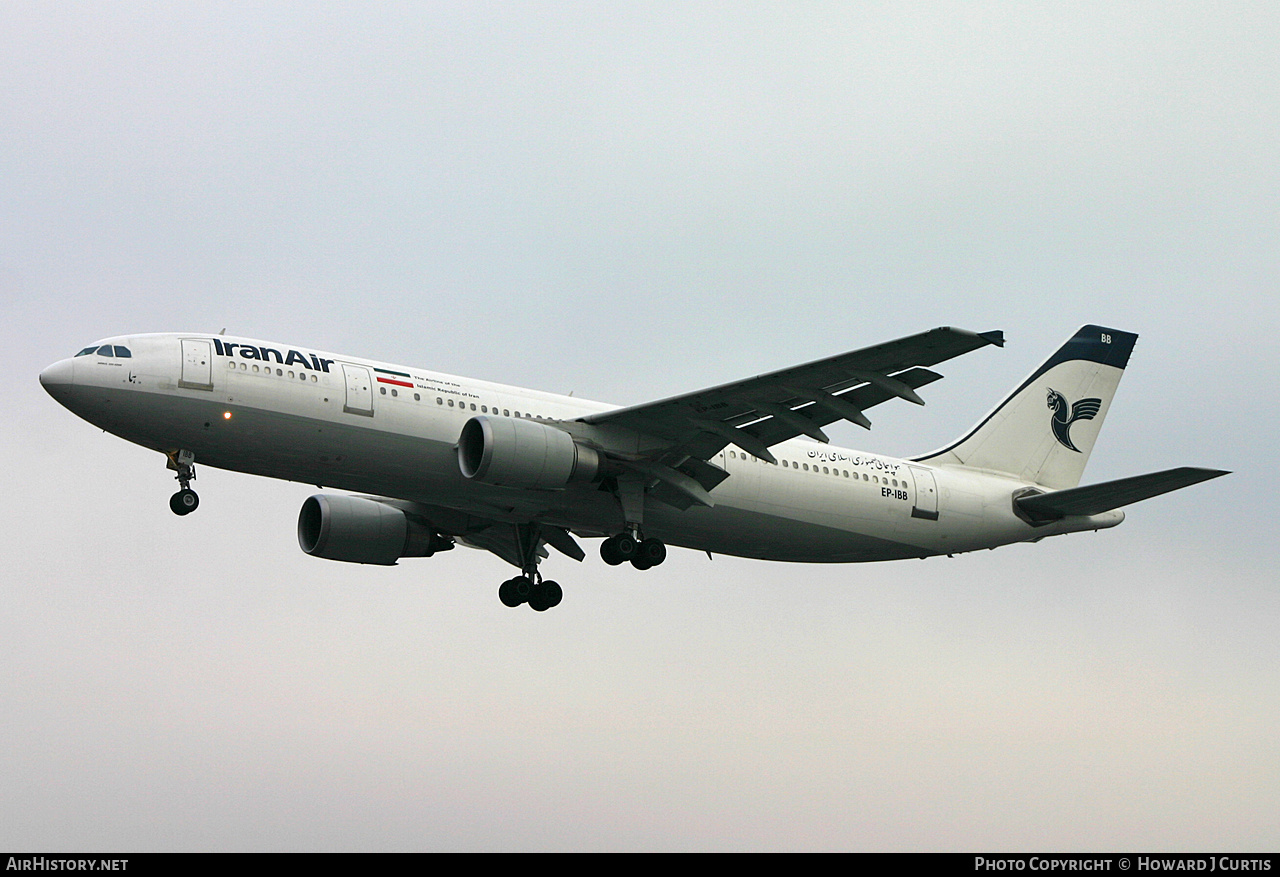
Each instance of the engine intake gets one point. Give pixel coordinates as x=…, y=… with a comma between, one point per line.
x=359, y=530
x=513, y=452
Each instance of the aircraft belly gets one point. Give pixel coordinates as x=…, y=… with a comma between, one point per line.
x=344, y=453
x=291, y=446
x=786, y=515
x=761, y=535
x=774, y=516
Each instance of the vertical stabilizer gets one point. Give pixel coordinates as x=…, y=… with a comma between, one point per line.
x=1043, y=432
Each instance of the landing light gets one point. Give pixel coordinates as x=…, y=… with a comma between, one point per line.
x=226, y=415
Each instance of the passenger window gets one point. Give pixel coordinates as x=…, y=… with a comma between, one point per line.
x=105, y=350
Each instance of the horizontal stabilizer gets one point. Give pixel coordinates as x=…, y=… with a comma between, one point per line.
x=1098, y=498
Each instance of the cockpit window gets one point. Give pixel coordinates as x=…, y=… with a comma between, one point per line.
x=116, y=351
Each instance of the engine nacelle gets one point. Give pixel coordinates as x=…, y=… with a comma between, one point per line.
x=513, y=452
x=360, y=530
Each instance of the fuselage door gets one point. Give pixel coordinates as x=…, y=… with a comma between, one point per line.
x=926, y=498
x=359, y=390
x=197, y=365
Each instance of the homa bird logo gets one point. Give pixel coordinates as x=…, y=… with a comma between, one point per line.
x=1085, y=409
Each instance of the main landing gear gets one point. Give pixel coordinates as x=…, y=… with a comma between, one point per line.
x=629, y=545
x=185, y=501
x=643, y=553
x=529, y=586
x=540, y=595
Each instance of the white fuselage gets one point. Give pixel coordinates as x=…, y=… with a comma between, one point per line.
x=388, y=430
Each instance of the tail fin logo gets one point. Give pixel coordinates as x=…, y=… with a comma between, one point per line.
x=1085, y=409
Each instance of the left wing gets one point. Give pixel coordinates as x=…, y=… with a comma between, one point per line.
x=759, y=412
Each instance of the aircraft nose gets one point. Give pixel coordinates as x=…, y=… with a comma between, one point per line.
x=57, y=377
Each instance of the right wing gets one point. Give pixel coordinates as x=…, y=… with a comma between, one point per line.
x=675, y=438
x=759, y=412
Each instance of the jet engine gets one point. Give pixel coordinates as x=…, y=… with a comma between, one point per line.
x=360, y=530
x=513, y=452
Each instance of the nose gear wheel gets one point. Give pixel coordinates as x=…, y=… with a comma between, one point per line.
x=185, y=501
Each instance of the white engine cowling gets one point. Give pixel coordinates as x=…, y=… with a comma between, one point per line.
x=359, y=530
x=512, y=452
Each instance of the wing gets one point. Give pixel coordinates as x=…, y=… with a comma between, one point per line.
x=512, y=541
x=759, y=412
x=511, y=535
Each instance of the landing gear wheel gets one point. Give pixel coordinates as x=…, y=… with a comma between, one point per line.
x=652, y=551
x=609, y=554
x=515, y=591
x=545, y=596
x=184, y=502
x=618, y=549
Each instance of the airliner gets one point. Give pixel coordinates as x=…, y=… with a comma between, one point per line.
x=428, y=461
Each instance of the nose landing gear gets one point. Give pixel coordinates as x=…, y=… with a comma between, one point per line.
x=185, y=501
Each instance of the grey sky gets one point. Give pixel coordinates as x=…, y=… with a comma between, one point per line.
x=627, y=202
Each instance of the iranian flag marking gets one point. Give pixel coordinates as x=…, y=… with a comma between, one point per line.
x=393, y=378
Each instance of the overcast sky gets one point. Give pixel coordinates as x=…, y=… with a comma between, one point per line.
x=629, y=201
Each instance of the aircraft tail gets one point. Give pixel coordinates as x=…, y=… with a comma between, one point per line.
x=1044, y=431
